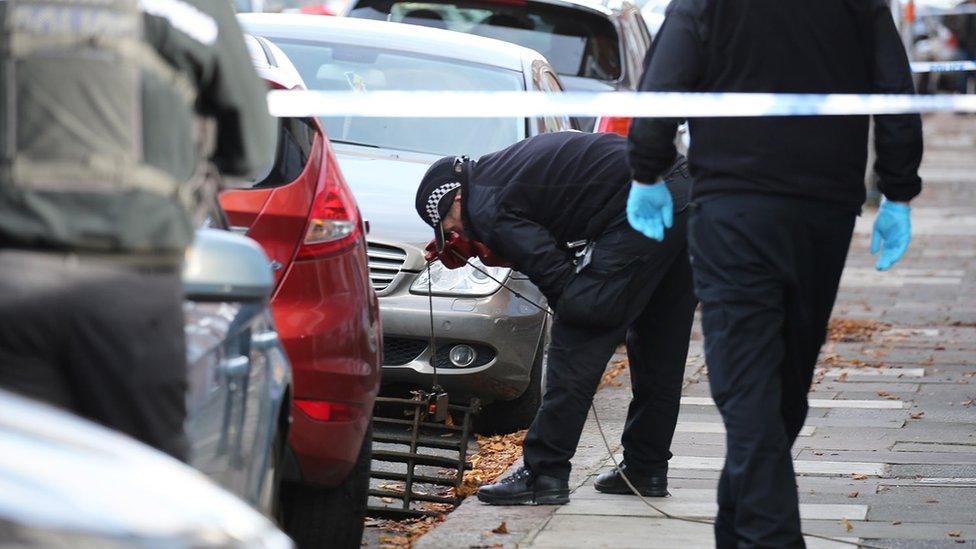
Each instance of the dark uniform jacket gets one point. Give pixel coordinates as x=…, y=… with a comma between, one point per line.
x=201, y=43
x=526, y=202
x=782, y=46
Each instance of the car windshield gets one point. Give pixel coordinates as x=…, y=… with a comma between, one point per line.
x=339, y=67
x=576, y=42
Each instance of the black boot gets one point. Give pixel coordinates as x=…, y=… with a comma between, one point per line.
x=653, y=486
x=523, y=487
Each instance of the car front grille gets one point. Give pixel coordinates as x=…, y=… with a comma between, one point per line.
x=398, y=351
x=385, y=263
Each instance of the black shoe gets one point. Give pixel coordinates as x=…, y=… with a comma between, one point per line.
x=523, y=487
x=651, y=486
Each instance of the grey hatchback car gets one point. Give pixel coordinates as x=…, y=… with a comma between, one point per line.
x=239, y=375
x=490, y=344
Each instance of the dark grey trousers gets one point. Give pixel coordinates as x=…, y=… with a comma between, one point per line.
x=98, y=338
x=634, y=287
x=766, y=271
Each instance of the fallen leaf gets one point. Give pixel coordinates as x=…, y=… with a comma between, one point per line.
x=931, y=500
x=885, y=394
x=500, y=529
x=954, y=533
x=858, y=476
x=917, y=415
x=896, y=522
x=842, y=377
x=853, y=494
x=967, y=403
x=847, y=525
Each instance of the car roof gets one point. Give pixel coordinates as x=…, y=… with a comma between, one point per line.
x=401, y=37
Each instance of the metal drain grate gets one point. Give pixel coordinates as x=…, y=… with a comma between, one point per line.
x=406, y=438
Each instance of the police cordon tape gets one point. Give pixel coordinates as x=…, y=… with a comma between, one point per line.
x=434, y=104
x=923, y=67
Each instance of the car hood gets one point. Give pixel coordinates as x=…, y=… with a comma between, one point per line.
x=66, y=477
x=384, y=183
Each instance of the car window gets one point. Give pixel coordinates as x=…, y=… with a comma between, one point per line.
x=549, y=83
x=339, y=67
x=576, y=42
x=293, y=149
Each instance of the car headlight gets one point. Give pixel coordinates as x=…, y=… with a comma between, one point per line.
x=466, y=281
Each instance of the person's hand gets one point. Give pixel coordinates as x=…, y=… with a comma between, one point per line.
x=650, y=210
x=892, y=233
x=453, y=242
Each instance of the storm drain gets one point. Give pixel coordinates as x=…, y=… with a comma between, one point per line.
x=418, y=464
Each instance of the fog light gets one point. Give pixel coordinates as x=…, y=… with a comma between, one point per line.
x=463, y=356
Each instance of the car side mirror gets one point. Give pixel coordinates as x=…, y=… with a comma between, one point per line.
x=223, y=266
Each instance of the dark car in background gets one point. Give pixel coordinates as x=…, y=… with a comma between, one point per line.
x=490, y=344
x=594, y=46
x=300, y=210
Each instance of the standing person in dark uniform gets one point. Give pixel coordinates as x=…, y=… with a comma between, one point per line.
x=775, y=201
x=535, y=204
x=100, y=170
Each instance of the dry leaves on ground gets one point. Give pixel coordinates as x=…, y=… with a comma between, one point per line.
x=954, y=533
x=848, y=330
x=403, y=533
x=500, y=529
x=917, y=415
x=616, y=368
x=858, y=476
x=495, y=455
x=853, y=494
x=847, y=524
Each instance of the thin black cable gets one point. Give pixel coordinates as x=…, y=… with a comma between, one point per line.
x=433, y=341
x=606, y=442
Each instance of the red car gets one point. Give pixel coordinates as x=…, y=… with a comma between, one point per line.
x=326, y=312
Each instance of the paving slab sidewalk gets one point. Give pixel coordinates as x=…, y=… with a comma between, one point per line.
x=918, y=458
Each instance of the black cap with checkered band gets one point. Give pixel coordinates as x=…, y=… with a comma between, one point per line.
x=436, y=193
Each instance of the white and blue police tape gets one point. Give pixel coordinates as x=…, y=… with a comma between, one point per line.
x=943, y=66
x=433, y=104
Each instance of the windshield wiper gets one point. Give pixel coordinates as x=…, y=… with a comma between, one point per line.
x=354, y=143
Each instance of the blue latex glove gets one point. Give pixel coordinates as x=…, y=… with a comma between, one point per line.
x=892, y=233
x=650, y=210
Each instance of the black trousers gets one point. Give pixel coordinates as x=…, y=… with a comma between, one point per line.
x=635, y=287
x=100, y=339
x=766, y=271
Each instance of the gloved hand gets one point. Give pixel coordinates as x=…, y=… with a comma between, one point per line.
x=892, y=233
x=489, y=257
x=650, y=210
x=453, y=242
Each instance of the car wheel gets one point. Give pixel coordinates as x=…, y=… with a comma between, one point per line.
x=329, y=517
x=270, y=498
x=508, y=416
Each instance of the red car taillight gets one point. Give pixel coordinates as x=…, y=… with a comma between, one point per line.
x=610, y=124
x=321, y=410
x=333, y=221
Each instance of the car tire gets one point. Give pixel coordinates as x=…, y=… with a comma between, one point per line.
x=509, y=416
x=270, y=499
x=330, y=517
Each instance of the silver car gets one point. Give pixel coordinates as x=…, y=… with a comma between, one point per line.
x=239, y=376
x=490, y=344
x=67, y=482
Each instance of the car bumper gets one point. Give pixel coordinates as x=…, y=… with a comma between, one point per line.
x=504, y=329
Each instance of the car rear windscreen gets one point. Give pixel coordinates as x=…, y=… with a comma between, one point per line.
x=576, y=42
x=294, y=138
x=340, y=67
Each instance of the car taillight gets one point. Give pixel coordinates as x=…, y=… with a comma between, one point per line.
x=611, y=124
x=322, y=410
x=333, y=221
